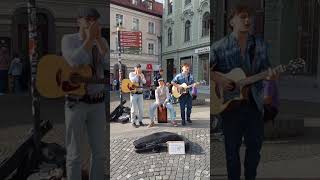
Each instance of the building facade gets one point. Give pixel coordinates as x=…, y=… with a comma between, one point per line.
x=137, y=16
x=186, y=38
x=54, y=19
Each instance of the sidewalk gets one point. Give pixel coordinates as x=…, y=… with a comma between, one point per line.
x=291, y=158
x=195, y=164
x=199, y=116
x=304, y=169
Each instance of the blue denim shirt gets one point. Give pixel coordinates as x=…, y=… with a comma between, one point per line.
x=181, y=78
x=226, y=55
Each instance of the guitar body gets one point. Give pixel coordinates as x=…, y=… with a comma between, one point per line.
x=162, y=115
x=128, y=87
x=218, y=104
x=176, y=93
x=53, y=77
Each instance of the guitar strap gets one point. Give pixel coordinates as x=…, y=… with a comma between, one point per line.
x=95, y=60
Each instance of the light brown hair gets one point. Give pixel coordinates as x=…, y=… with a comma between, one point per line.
x=237, y=9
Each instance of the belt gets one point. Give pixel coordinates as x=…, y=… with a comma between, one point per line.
x=89, y=99
x=137, y=93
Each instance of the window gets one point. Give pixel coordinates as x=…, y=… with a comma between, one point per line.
x=169, y=37
x=150, y=48
x=151, y=28
x=206, y=24
x=135, y=24
x=134, y=2
x=119, y=20
x=170, y=5
x=186, y=2
x=204, y=68
x=187, y=29
x=150, y=5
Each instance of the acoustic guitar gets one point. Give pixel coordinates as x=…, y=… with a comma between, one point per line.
x=221, y=99
x=184, y=88
x=129, y=87
x=56, y=78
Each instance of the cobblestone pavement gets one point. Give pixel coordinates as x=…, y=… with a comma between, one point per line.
x=195, y=164
x=16, y=120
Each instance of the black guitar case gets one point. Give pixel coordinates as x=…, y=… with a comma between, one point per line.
x=156, y=142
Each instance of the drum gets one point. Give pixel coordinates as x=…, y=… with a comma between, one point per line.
x=162, y=115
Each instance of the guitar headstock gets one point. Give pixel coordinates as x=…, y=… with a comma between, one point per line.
x=201, y=82
x=295, y=65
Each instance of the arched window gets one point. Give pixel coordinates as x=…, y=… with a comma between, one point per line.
x=206, y=24
x=187, y=31
x=169, y=37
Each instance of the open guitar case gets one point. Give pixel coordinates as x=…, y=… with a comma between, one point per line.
x=120, y=114
x=156, y=142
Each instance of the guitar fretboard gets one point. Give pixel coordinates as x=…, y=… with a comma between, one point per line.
x=260, y=76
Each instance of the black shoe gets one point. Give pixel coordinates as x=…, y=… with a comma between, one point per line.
x=141, y=124
x=134, y=125
x=189, y=121
x=183, y=123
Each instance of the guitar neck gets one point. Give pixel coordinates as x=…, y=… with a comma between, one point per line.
x=260, y=76
x=94, y=81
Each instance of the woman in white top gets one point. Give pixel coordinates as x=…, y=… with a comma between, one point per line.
x=162, y=99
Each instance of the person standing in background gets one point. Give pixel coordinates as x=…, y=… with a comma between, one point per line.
x=15, y=72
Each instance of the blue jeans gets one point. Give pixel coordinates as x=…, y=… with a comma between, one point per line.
x=136, y=107
x=90, y=117
x=244, y=121
x=185, y=101
x=169, y=106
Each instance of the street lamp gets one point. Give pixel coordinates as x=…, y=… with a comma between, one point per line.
x=120, y=64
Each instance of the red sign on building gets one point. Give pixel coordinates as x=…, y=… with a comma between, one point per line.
x=131, y=39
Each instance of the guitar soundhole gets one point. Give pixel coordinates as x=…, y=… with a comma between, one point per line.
x=66, y=86
x=233, y=86
x=130, y=87
x=58, y=77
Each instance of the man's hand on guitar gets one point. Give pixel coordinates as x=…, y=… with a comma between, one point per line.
x=194, y=85
x=227, y=84
x=272, y=74
x=178, y=87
